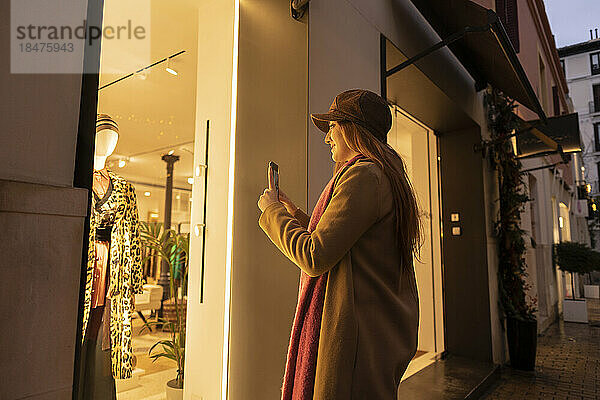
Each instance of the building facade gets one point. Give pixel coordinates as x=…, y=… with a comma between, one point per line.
x=581, y=65
x=551, y=215
x=265, y=74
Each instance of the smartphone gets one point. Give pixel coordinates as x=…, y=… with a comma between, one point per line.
x=275, y=169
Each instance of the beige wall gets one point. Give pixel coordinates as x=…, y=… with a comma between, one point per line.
x=42, y=217
x=40, y=245
x=205, y=321
x=344, y=54
x=40, y=117
x=271, y=125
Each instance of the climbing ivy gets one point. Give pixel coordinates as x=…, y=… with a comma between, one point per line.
x=512, y=268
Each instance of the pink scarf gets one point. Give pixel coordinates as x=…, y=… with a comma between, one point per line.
x=301, y=365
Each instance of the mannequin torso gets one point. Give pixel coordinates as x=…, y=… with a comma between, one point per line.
x=101, y=182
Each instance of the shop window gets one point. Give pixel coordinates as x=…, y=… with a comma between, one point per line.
x=507, y=11
x=595, y=63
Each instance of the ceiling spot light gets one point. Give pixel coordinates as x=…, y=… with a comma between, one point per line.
x=169, y=69
x=191, y=181
x=171, y=152
x=122, y=163
x=147, y=194
x=178, y=196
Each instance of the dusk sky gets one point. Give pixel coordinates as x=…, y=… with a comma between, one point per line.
x=571, y=20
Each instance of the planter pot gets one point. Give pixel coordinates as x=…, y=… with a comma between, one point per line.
x=593, y=311
x=575, y=310
x=591, y=291
x=173, y=392
x=522, y=343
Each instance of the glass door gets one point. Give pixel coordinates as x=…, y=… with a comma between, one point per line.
x=416, y=144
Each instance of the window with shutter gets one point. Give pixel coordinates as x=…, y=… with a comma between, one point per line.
x=555, y=100
x=508, y=14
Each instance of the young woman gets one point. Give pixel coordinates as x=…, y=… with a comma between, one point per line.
x=356, y=322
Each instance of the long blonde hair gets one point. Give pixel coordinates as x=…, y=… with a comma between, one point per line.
x=408, y=223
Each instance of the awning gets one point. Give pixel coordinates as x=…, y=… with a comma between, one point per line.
x=478, y=39
x=559, y=134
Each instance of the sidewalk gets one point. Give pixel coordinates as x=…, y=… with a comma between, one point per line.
x=568, y=367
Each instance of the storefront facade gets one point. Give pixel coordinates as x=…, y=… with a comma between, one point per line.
x=258, y=73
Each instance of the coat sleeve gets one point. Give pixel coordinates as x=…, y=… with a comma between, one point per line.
x=302, y=217
x=353, y=208
x=135, y=250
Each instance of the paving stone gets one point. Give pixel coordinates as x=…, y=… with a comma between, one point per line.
x=567, y=367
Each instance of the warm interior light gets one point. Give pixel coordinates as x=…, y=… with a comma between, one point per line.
x=178, y=196
x=171, y=152
x=197, y=230
x=153, y=215
x=198, y=170
x=593, y=207
x=229, y=254
x=561, y=222
x=122, y=163
x=513, y=141
x=171, y=71
x=147, y=194
x=191, y=181
x=588, y=187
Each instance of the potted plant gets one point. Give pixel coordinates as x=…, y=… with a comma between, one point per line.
x=574, y=258
x=173, y=248
x=521, y=322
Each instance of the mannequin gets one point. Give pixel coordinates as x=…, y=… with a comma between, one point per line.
x=107, y=137
x=114, y=274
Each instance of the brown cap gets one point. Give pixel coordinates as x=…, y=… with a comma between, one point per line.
x=360, y=106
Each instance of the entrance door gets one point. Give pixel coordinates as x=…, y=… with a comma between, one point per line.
x=417, y=145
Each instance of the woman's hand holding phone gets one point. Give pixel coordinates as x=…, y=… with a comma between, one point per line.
x=269, y=195
x=288, y=204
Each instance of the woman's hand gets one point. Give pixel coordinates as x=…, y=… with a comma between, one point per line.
x=269, y=195
x=289, y=205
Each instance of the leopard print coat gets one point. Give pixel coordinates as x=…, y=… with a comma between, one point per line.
x=125, y=277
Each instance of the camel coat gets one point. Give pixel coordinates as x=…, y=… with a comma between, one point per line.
x=371, y=308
